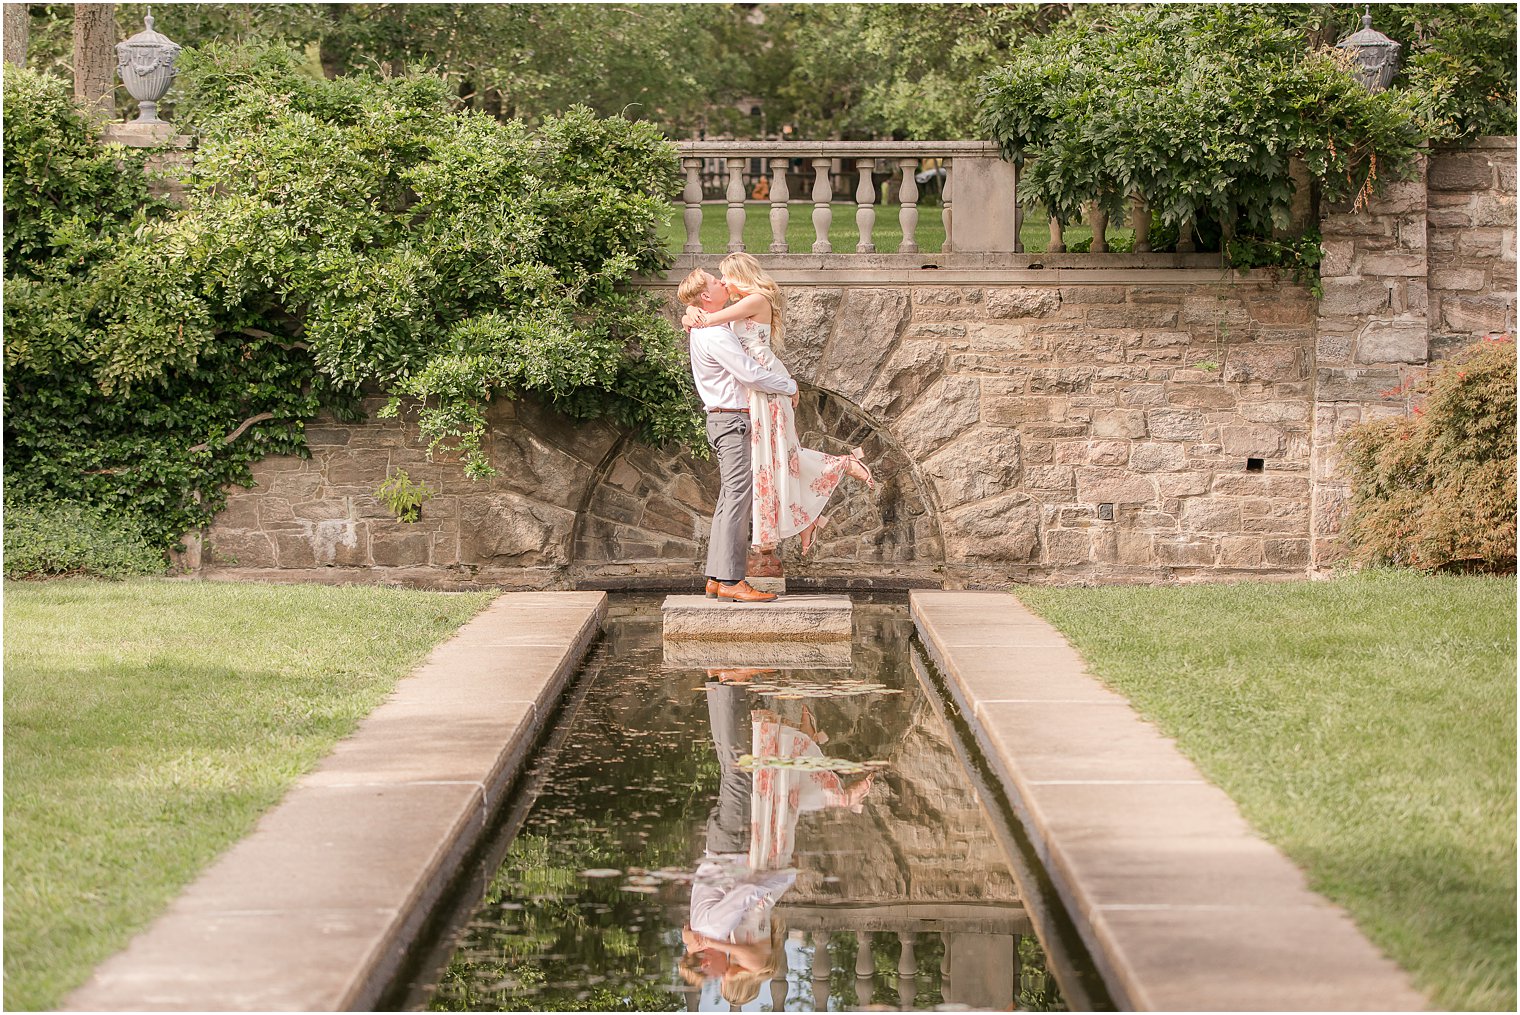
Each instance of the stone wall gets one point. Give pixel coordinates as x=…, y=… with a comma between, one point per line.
x=1091, y=418
x=1425, y=269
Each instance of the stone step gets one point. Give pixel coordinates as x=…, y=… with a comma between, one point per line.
x=771, y=655
x=790, y=618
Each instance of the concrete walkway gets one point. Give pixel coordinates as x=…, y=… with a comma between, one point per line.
x=1182, y=906
x=314, y=909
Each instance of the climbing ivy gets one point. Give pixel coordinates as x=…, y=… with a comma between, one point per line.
x=337, y=238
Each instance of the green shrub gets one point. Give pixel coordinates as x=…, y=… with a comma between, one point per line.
x=1436, y=490
x=56, y=538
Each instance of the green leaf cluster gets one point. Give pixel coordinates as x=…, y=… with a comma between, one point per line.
x=337, y=237
x=1197, y=108
x=49, y=539
x=1436, y=490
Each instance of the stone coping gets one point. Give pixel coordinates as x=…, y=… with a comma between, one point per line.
x=1182, y=906
x=788, y=619
x=315, y=909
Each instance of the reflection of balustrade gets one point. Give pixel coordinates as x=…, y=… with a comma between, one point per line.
x=984, y=218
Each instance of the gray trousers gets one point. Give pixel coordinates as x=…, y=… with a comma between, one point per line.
x=728, y=823
x=728, y=549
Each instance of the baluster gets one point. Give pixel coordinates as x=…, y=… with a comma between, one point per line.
x=823, y=209
x=780, y=212
x=944, y=968
x=1099, y=219
x=693, y=998
x=1185, y=244
x=1018, y=216
x=865, y=205
x=1140, y=221
x=1018, y=974
x=945, y=203
x=865, y=967
x=907, y=969
x=821, y=958
x=907, y=214
x=1057, y=239
x=735, y=204
x=778, y=992
x=693, y=213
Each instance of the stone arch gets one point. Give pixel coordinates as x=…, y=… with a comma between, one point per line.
x=647, y=512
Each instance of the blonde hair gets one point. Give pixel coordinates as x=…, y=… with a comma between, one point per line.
x=741, y=985
x=689, y=291
x=747, y=275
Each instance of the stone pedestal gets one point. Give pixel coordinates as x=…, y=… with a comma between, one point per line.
x=770, y=655
x=136, y=134
x=788, y=619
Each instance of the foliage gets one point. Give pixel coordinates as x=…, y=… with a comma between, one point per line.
x=1299, y=257
x=403, y=496
x=889, y=70
x=1437, y=490
x=54, y=538
x=1459, y=59
x=337, y=235
x=1197, y=108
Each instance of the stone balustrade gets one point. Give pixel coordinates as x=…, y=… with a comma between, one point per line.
x=977, y=190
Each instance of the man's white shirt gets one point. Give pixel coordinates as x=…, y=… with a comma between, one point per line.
x=724, y=372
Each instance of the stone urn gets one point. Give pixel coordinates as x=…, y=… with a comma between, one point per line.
x=146, y=65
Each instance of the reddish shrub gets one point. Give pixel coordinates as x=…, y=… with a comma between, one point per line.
x=1437, y=490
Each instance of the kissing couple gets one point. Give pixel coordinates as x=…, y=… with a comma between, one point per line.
x=770, y=487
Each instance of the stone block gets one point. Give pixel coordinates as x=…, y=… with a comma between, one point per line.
x=1016, y=410
x=1186, y=550
x=1119, y=423
x=1211, y=515
x=1335, y=384
x=1477, y=315
x=1022, y=302
x=1461, y=171
x=1175, y=424
x=1385, y=265
x=1057, y=478
x=1275, y=412
x=790, y=618
x=981, y=463
x=1213, y=312
x=1095, y=293
x=239, y=549
x=509, y=530
x=1257, y=484
x=1487, y=242
x=401, y=548
x=1202, y=396
x=868, y=326
x=1136, y=547
x=912, y=367
x=1156, y=456
x=1285, y=552
x=1143, y=395
x=1005, y=528
x=1183, y=484
x=1255, y=440
x=1263, y=363
x=1240, y=551
x=1393, y=342
x=1337, y=259
x=1113, y=486
x=1067, y=546
x=1352, y=297
x=294, y=549
x=241, y=512
x=1132, y=316
x=1109, y=453
x=367, y=468
x=948, y=408
x=810, y=315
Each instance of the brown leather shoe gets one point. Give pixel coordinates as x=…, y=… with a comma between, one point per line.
x=744, y=592
x=712, y=589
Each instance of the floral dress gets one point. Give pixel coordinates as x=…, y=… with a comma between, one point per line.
x=792, y=483
x=782, y=795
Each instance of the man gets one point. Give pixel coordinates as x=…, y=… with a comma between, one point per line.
x=723, y=373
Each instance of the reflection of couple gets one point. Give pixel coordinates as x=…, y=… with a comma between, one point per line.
x=770, y=487
x=732, y=933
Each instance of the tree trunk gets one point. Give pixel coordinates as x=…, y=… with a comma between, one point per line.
x=95, y=57
x=18, y=30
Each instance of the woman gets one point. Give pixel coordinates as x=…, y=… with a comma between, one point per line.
x=792, y=483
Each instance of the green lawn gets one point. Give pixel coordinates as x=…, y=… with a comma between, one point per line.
x=843, y=233
x=1365, y=725
x=148, y=724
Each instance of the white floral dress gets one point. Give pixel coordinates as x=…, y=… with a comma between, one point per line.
x=792, y=483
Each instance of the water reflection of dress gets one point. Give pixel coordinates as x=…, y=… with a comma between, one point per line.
x=792, y=483
x=782, y=795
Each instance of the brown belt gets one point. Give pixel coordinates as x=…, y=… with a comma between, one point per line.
x=728, y=410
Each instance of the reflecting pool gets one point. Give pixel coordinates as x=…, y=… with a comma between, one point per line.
x=725, y=829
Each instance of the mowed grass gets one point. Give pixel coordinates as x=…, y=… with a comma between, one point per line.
x=843, y=232
x=1365, y=725
x=149, y=723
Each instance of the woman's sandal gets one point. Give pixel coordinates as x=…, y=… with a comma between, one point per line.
x=859, y=454
x=809, y=535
